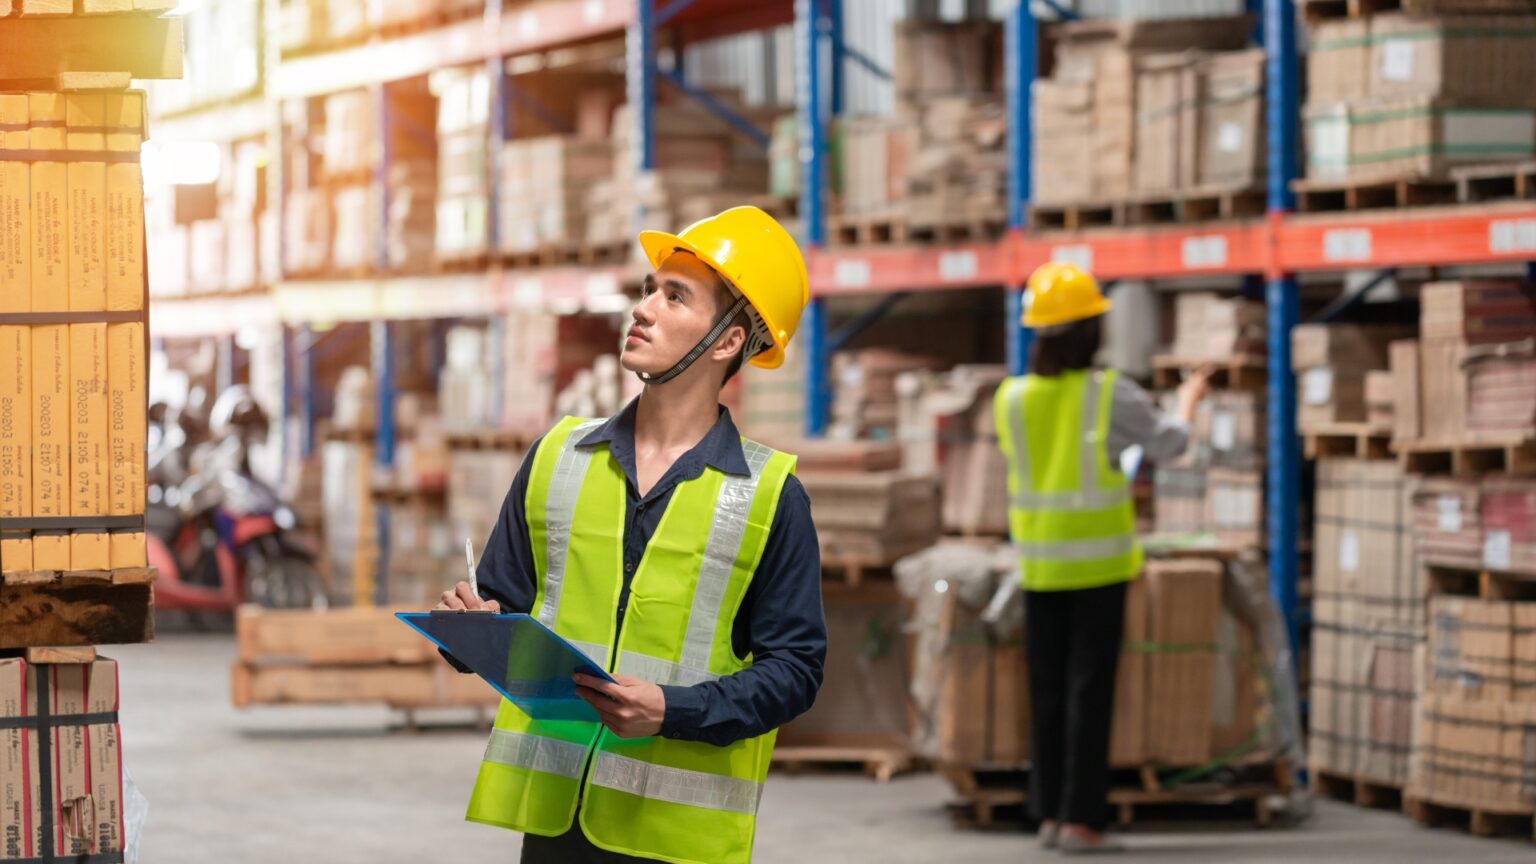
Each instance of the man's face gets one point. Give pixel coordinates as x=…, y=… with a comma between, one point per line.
x=678, y=307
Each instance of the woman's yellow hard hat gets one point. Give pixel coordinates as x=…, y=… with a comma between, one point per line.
x=760, y=259
x=1060, y=293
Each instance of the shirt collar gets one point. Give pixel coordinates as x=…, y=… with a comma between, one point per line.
x=720, y=448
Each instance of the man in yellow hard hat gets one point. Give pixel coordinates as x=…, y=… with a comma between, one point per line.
x=679, y=556
x=1063, y=428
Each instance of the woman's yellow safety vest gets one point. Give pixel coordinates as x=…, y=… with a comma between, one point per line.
x=681, y=801
x=1070, y=512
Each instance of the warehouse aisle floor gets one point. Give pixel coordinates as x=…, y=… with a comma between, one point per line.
x=294, y=786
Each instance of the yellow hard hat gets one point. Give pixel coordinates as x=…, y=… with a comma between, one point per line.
x=1060, y=293
x=754, y=253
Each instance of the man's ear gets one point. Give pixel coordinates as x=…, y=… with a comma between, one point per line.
x=730, y=343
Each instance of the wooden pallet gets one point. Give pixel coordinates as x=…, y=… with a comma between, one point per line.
x=1480, y=820
x=1361, y=440
x=957, y=231
x=1476, y=183
x=867, y=230
x=77, y=608
x=486, y=439
x=602, y=254
x=1238, y=372
x=988, y=790
x=880, y=763
x=1472, y=579
x=546, y=255
x=1076, y=215
x=1471, y=454
x=1360, y=791
x=1322, y=10
x=1325, y=196
x=462, y=263
x=1194, y=205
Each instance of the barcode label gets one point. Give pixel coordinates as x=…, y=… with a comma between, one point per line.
x=1205, y=253
x=1496, y=549
x=957, y=266
x=1449, y=507
x=1349, y=552
x=1512, y=235
x=1347, y=244
x=851, y=273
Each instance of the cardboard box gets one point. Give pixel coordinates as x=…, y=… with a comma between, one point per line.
x=1179, y=496
x=1474, y=754
x=1407, y=419
x=1356, y=347
x=1128, y=730
x=127, y=437
x=983, y=709
x=1330, y=395
x=87, y=230
x=1508, y=515
x=85, y=801
x=50, y=440
x=1420, y=138
x=431, y=685
x=88, y=444
x=1231, y=122
x=125, y=204
x=1462, y=59
x=15, y=208
x=1380, y=407
x=1447, y=521
x=935, y=58
x=1063, y=117
x=337, y=637
x=1339, y=61
x=875, y=517
x=1501, y=388
x=15, y=443
x=1444, y=388
x=1234, y=502
x=50, y=204
x=1478, y=311
x=1168, y=96
x=1183, y=608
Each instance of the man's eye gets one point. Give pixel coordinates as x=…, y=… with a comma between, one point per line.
x=676, y=297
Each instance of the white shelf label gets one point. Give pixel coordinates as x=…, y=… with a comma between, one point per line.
x=592, y=10
x=1512, y=235
x=1204, y=253
x=1317, y=386
x=1347, y=244
x=851, y=273
x=1496, y=550
x=1080, y=254
x=1223, y=430
x=1349, y=551
x=1449, y=516
x=1397, y=60
x=957, y=266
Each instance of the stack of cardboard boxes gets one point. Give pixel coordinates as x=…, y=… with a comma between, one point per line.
x=1149, y=107
x=1368, y=613
x=1407, y=95
x=463, y=174
x=1333, y=365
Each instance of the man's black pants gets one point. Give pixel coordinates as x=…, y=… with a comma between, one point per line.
x=572, y=847
x=1074, y=646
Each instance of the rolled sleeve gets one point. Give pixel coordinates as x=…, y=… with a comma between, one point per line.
x=783, y=626
x=1134, y=419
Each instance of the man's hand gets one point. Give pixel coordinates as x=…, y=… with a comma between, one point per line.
x=631, y=708
x=462, y=599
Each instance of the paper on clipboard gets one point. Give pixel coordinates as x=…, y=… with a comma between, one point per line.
x=527, y=663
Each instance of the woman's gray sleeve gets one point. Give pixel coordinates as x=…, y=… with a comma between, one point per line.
x=1134, y=419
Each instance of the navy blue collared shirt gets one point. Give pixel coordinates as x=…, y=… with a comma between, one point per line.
x=780, y=622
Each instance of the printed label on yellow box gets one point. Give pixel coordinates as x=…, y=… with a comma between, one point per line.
x=50, y=204
x=50, y=441
x=15, y=442
x=86, y=118
x=126, y=432
x=15, y=209
x=88, y=442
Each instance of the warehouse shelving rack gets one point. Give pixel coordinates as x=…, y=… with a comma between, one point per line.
x=1273, y=248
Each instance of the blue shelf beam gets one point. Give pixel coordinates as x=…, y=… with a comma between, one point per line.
x=306, y=388
x=715, y=106
x=640, y=59
x=848, y=332
x=381, y=345
x=1021, y=60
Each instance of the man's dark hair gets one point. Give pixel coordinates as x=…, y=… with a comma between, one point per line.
x=724, y=299
x=1068, y=349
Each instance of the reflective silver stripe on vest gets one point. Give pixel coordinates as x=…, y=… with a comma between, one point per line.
x=1076, y=550
x=559, y=510
x=1088, y=496
x=595, y=651
x=659, y=671
x=536, y=753
x=732, y=508
x=675, y=785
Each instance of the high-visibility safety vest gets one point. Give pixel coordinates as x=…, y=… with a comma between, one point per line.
x=680, y=801
x=1070, y=512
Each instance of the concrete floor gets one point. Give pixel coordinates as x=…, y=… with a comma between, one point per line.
x=274, y=786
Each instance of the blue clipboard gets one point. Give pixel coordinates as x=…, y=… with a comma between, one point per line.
x=528, y=663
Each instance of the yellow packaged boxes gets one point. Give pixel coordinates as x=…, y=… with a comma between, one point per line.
x=88, y=459
x=50, y=442
x=15, y=444
x=86, y=172
x=46, y=134
x=126, y=437
x=15, y=208
x=124, y=115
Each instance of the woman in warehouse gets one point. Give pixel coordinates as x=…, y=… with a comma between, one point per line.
x=1063, y=428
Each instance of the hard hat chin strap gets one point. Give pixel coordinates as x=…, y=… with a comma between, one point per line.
x=698, y=350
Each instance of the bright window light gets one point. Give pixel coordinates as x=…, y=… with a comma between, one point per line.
x=181, y=163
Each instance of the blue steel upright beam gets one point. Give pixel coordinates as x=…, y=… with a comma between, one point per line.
x=496, y=74
x=1283, y=108
x=640, y=58
x=813, y=326
x=1020, y=47
x=306, y=382
x=381, y=345
x=839, y=69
